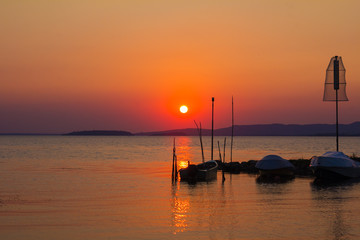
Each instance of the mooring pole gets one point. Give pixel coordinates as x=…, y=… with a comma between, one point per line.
x=232, y=126
x=201, y=143
x=173, y=164
x=212, y=130
x=200, y=136
x=223, y=168
x=219, y=152
x=174, y=171
x=224, y=150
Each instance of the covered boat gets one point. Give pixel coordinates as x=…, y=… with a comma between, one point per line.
x=206, y=171
x=274, y=165
x=334, y=165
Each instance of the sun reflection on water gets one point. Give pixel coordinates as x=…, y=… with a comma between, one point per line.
x=183, y=151
x=180, y=208
x=182, y=164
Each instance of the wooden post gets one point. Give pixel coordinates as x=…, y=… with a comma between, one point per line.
x=219, y=152
x=176, y=171
x=173, y=164
x=201, y=144
x=202, y=148
x=224, y=150
x=223, y=172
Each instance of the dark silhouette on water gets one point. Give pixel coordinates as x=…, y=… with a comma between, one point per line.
x=100, y=133
x=352, y=129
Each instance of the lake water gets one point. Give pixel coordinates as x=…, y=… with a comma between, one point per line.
x=62, y=187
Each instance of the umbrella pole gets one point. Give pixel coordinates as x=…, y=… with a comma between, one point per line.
x=337, y=122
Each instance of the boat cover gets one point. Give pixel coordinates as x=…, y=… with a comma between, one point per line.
x=333, y=159
x=271, y=162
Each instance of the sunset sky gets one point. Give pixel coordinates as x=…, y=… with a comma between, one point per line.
x=129, y=65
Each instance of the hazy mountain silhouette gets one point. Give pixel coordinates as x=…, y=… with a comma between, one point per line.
x=100, y=133
x=352, y=129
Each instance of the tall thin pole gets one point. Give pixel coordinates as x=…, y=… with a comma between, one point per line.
x=176, y=171
x=337, y=122
x=224, y=150
x=173, y=165
x=336, y=88
x=223, y=175
x=219, y=152
x=201, y=144
x=232, y=126
x=212, y=130
x=202, y=148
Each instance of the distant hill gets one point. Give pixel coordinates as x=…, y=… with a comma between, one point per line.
x=352, y=129
x=100, y=133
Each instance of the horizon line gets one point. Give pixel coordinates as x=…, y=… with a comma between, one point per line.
x=159, y=131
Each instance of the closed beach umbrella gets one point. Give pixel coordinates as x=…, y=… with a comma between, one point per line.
x=335, y=87
x=335, y=84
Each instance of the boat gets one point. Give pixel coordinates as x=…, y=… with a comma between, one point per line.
x=274, y=165
x=206, y=171
x=334, y=165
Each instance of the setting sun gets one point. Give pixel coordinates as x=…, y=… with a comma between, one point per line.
x=183, y=109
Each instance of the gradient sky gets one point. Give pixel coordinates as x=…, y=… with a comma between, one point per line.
x=130, y=65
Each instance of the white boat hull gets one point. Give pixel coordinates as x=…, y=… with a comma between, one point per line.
x=333, y=165
x=275, y=166
x=336, y=172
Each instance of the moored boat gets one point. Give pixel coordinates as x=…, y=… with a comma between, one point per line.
x=334, y=165
x=206, y=171
x=274, y=165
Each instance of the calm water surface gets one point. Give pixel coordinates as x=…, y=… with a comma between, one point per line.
x=60, y=187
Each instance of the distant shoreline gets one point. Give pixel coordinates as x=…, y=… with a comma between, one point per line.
x=291, y=130
x=136, y=135
x=99, y=133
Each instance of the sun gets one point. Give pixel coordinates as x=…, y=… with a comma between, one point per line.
x=184, y=109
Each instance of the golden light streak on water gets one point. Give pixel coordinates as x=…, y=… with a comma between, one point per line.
x=180, y=207
x=182, y=164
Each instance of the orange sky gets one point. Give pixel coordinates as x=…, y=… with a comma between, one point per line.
x=129, y=65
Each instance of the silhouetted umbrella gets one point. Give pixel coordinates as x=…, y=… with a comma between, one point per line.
x=335, y=87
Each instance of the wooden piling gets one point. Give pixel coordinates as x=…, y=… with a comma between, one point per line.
x=219, y=152
x=224, y=150
x=223, y=168
x=176, y=171
x=173, y=164
x=201, y=144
